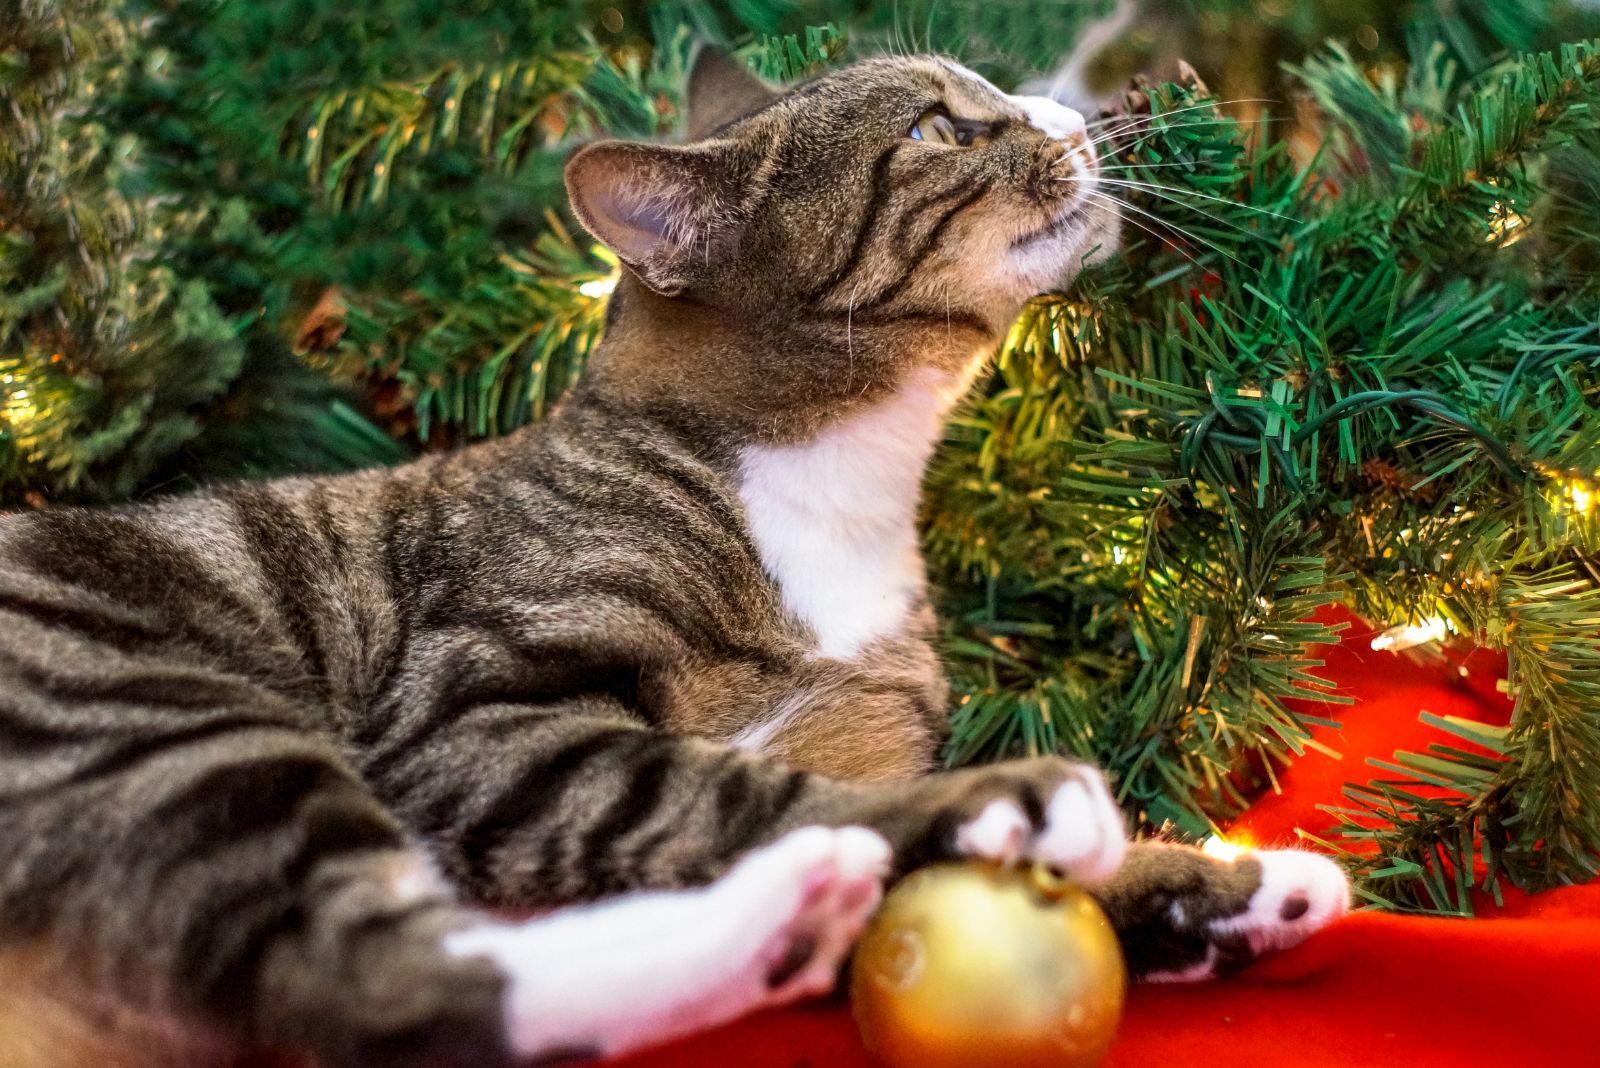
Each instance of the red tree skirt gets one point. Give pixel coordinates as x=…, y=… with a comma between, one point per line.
x=1373, y=991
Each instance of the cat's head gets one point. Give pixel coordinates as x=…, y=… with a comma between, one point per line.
x=895, y=194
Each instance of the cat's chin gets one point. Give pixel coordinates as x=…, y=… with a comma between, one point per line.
x=1109, y=245
x=1087, y=249
x=1058, y=270
x=1050, y=259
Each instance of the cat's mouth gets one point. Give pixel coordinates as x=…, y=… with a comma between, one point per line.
x=1065, y=175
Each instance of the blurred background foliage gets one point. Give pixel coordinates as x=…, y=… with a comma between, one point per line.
x=1349, y=353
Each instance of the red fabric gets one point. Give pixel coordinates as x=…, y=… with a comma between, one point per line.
x=1521, y=987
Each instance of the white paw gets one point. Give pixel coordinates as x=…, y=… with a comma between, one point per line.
x=803, y=900
x=1300, y=893
x=648, y=968
x=1083, y=833
x=998, y=833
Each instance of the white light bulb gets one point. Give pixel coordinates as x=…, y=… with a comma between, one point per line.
x=1407, y=635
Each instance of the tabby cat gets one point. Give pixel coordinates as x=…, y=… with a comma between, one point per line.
x=270, y=754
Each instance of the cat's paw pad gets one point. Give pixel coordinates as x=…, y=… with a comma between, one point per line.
x=1080, y=829
x=812, y=891
x=1299, y=894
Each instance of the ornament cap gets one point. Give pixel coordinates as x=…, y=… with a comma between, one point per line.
x=1050, y=881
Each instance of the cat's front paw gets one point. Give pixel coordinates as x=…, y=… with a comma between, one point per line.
x=1299, y=894
x=1183, y=916
x=1048, y=810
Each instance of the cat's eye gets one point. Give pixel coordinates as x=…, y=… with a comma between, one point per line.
x=936, y=128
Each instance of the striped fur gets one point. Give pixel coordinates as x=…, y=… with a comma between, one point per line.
x=265, y=749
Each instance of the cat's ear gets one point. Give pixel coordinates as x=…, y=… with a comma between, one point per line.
x=660, y=208
x=721, y=89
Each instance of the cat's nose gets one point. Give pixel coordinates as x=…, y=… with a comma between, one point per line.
x=1053, y=119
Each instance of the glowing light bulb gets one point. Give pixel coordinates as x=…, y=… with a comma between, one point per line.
x=1581, y=495
x=1408, y=635
x=1222, y=849
x=18, y=409
x=600, y=287
x=1506, y=226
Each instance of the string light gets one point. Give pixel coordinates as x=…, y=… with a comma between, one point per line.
x=1225, y=849
x=17, y=407
x=1408, y=635
x=599, y=287
x=1580, y=496
x=1506, y=226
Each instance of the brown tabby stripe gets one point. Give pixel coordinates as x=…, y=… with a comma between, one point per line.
x=290, y=553
x=914, y=214
x=537, y=790
x=599, y=851
x=929, y=241
x=878, y=191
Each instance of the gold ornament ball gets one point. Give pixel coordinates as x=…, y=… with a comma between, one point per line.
x=970, y=965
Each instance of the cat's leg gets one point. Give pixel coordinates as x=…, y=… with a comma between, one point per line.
x=530, y=806
x=240, y=883
x=600, y=980
x=1182, y=915
x=577, y=801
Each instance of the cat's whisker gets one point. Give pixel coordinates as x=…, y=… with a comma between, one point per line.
x=1191, y=235
x=1169, y=192
x=928, y=31
x=1108, y=138
x=1114, y=166
x=1146, y=129
x=1108, y=149
x=1126, y=122
x=1108, y=134
x=1165, y=241
x=1173, y=195
x=849, y=335
x=1180, y=111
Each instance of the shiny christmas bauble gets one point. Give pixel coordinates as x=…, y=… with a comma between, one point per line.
x=969, y=965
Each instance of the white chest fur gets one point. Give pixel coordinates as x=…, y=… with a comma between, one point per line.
x=834, y=519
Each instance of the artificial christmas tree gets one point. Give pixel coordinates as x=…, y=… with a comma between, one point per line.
x=140, y=340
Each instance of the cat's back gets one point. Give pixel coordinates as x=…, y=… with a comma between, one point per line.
x=258, y=581
x=601, y=534
x=602, y=528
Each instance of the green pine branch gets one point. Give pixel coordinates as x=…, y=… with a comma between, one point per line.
x=485, y=349
x=1267, y=383
x=484, y=362
x=1469, y=168
x=106, y=355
